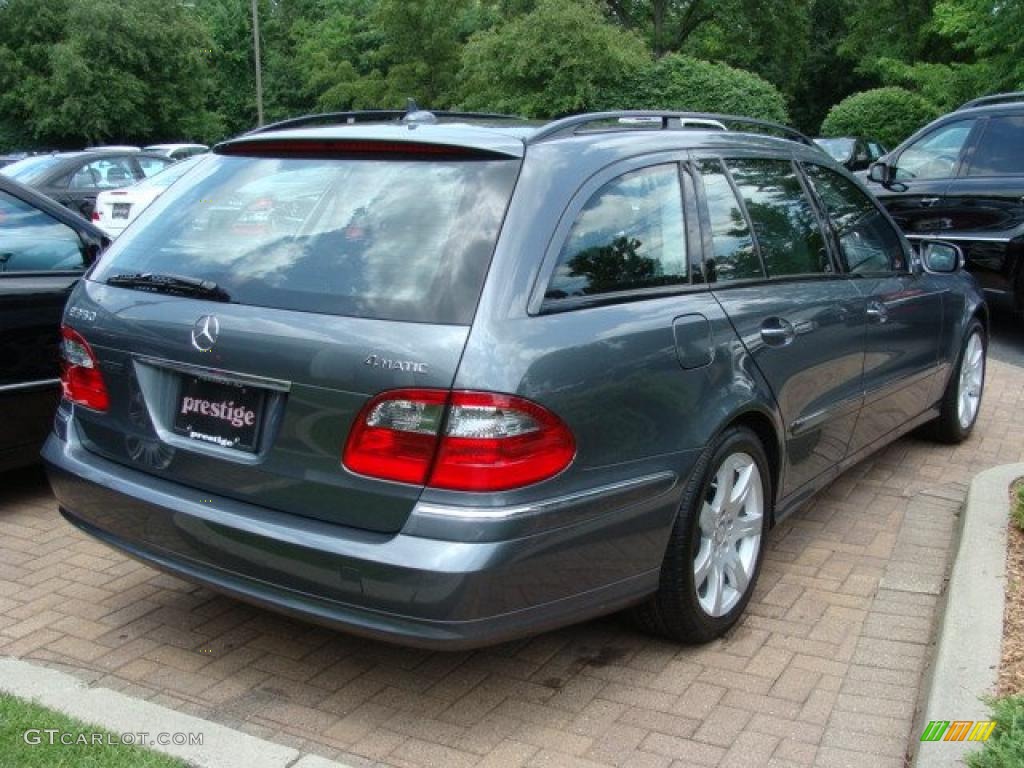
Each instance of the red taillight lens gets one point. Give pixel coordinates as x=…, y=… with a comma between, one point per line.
x=460, y=441
x=395, y=435
x=95, y=215
x=80, y=375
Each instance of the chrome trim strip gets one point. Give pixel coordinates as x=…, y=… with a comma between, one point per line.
x=40, y=384
x=953, y=237
x=451, y=511
x=215, y=374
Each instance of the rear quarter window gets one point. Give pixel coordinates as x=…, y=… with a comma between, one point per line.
x=630, y=235
x=402, y=239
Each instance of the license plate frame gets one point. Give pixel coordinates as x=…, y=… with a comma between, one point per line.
x=219, y=413
x=121, y=211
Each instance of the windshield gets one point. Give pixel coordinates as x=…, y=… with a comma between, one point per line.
x=840, y=149
x=402, y=239
x=31, y=168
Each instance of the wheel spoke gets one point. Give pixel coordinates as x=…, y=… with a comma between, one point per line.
x=745, y=527
x=741, y=489
x=733, y=568
x=702, y=563
x=716, y=588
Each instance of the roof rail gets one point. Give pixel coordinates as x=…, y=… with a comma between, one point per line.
x=374, y=116
x=995, y=98
x=570, y=126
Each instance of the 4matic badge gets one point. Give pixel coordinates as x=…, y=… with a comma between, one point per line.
x=376, y=361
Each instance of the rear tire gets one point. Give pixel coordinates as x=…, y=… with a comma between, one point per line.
x=717, y=543
x=961, y=402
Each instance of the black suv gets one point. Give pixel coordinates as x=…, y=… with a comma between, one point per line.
x=961, y=178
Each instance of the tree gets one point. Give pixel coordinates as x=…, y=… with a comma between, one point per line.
x=991, y=33
x=560, y=58
x=886, y=114
x=684, y=83
x=101, y=70
x=667, y=24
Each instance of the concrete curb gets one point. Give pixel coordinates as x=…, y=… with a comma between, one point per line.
x=968, y=650
x=222, y=747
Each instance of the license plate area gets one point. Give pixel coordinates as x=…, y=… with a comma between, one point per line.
x=121, y=210
x=218, y=413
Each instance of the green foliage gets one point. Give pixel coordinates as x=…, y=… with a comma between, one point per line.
x=18, y=716
x=1005, y=748
x=562, y=57
x=1017, y=505
x=947, y=86
x=988, y=32
x=102, y=70
x=684, y=83
x=886, y=114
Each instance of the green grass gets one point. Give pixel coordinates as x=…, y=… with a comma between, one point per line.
x=18, y=716
x=1005, y=748
x=1017, y=508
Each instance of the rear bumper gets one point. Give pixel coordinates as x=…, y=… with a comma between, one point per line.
x=402, y=588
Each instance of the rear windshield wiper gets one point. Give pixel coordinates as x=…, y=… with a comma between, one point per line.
x=186, y=286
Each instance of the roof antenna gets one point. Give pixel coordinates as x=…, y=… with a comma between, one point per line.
x=413, y=114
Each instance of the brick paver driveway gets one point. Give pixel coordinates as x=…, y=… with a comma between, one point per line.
x=824, y=670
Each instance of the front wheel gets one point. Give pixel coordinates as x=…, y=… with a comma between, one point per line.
x=716, y=546
x=961, y=402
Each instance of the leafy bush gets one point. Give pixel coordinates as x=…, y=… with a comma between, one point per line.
x=560, y=58
x=886, y=114
x=1005, y=748
x=684, y=83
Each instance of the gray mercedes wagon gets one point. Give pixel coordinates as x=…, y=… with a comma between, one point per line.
x=447, y=379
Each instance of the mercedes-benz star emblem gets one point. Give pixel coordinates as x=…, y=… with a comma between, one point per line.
x=205, y=332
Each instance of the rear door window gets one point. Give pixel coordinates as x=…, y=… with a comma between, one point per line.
x=734, y=256
x=630, y=235
x=1000, y=151
x=785, y=223
x=867, y=241
x=402, y=239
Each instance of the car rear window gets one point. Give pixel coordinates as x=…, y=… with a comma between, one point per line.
x=399, y=239
x=31, y=168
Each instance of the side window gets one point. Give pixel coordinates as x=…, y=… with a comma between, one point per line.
x=734, y=256
x=32, y=241
x=783, y=217
x=867, y=242
x=936, y=155
x=153, y=165
x=999, y=152
x=629, y=235
x=106, y=173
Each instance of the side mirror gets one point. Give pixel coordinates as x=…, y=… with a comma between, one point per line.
x=939, y=257
x=881, y=173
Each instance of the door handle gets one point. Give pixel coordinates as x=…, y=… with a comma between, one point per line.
x=777, y=332
x=877, y=312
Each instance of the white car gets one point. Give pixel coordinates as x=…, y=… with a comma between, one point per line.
x=178, y=151
x=117, y=208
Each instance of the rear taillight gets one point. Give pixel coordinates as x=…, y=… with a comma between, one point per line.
x=460, y=441
x=95, y=215
x=80, y=375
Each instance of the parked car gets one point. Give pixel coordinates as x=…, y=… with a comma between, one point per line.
x=74, y=179
x=961, y=178
x=468, y=379
x=117, y=208
x=113, y=148
x=178, y=151
x=44, y=248
x=853, y=153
